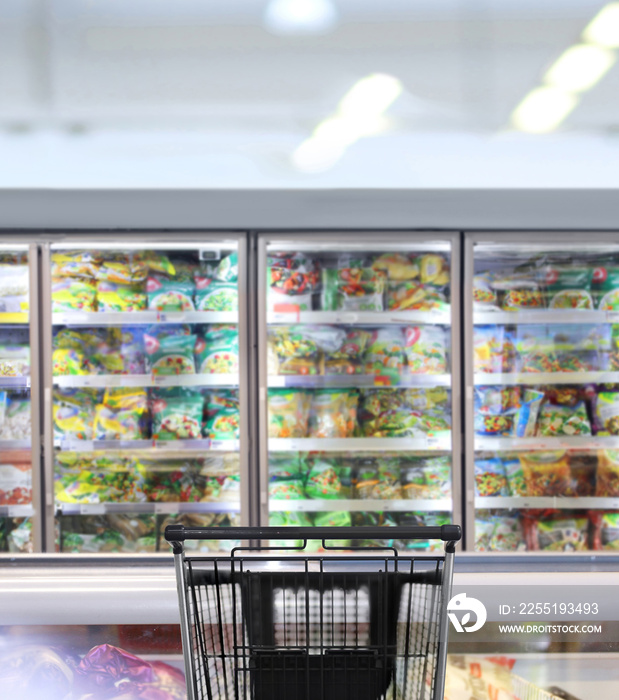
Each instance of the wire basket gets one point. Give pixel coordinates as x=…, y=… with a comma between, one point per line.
x=267, y=624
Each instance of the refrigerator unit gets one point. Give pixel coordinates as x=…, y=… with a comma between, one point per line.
x=542, y=396
x=145, y=380
x=359, y=354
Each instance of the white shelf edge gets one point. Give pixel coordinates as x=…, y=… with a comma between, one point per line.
x=543, y=316
x=166, y=508
x=373, y=318
x=359, y=505
x=533, y=379
x=589, y=442
x=162, y=447
x=14, y=383
x=359, y=444
x=352, y=381
x=556, y=503
x=23, y=511
x=146, y=380
x=133, y=318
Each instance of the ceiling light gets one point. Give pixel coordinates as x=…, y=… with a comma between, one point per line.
x=603, y=29
x=580, y=67
x=373, y=94
x=543, y=109
x=290, y=17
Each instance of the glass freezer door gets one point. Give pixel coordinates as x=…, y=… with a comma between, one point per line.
x=20, y=452
x=543, y=391
x=146, y=375
x=357, y=353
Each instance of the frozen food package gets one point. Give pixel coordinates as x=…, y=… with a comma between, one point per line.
x=299, y=348
x=293, y=279
x=562, y=533
x=525, y=419
x=494, y=424
x=228, y=268
x=72, y=294
x=15, y=481
x=83, y=264
x=170, y=355
x=330, y=414
x=484, y=528
x=323, y=480
x=607, y=481
x=606, y=413
x=353, y=289
x=224, y=425
x=125, y=272
x=119, y=424
x=397, y=266
x=67, y=362
x=348, y=356
x=490, y=479
x=606, y=288
x=493, y=349
x=16, y=422
x=218, y=351
x=413, y=479
x=438, y=477
x=284, y=466
x=216, y=296
x=507, y=535
x=177, y=418
x=569, y=287
x=414, y=296
x=434, y=269
x=496, y=400
x=288, y=413
x=291, y=489
x=388, y=413
x=74, y=412
x=156, y=261
x=547, y=474
x=425, y=349
x=583, y=466
x=385, y=352
x=14, y=360
x=484, y=296
x=112, y=297
x=14, y=288
x=564, y=420
x=515, y=477
x=606, y=534
x=170, y=295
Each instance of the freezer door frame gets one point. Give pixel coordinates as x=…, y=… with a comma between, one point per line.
x=157, y=240
x=536, y=240
x=386, y=240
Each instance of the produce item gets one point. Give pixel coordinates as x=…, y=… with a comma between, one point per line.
x=217, y=296
x=224, y=425
x=16, y=422
x=414, y=485
x=523, y=299
x=292, y=489
x=562, y=395
x=413, y=296
x=515, y=477
x=562, y=533
x=84, y=264
x=74, y=412
x=72, y=294
x=494, y=424
x=14, y=288
x=438, y=477
x=397, y=266
x=353, y=289
x=288, y=413
x=606, y=413
x=388, y=413
x=607, y=482
x=330, y=413
x=493, y=349
x=228, y=268
x=484, y=527
x=172, y=481
x=14, y=360
x=284, y=466
x=120, y=297
x=170, y=295
x=127, y=273
x=347, y=357
x=519, y=290
x=425, y=349
x=67, y=362
x=385, y=353
x=605, y=288
x=569, y=287
x=507, y=534
x=218, y=351
x=156, y=261
x=540, y=362
x=215, y=401
x=606, y=534
x=378, y=478
x=170, y=355
x=564, y=420
x=293, y=279
x=120, y=424
x=484, y=296
x=126, y=398
x=98, y=480
x=494, y=400
x=434, y=270
x=15, y=481
x=177, y=418
x=547, y=474
x=583, y=466
x=299, y=348
x=525, y=419
x=490, y=479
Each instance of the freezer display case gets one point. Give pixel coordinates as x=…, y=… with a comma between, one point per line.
x=359, y=379
x=20, y=452
x=542, y=401
x=145, y=387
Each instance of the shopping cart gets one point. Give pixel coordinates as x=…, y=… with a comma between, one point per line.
x=279, y=623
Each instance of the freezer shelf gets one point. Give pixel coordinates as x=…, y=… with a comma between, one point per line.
x=507, y=444
x=147, y=380
x=163, y=447
x=14, y=382
x=541, y=502
x=352, y=381
x=133, y=318
x=14, y=445
x=530, y=316
x=534, y=379
x=23, y=511
x=360, y=505
x=441, y=443
x=166, y=508
x=17, y=319
x=360, y=318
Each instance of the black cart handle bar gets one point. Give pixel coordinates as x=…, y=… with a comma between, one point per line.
x=180, y=533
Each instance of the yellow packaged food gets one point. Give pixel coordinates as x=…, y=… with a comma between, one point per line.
x=126, y=398
x=397, y=266
x=433, y=270
x=74, y=264
x=123, y=273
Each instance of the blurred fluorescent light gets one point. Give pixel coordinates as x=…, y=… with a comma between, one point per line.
x=543, y=109
x=371, y=95
x=603, y=29
x=580, y=67
x=359, y=114
x=290, y=17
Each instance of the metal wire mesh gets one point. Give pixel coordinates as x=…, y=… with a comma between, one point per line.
x=314, y=628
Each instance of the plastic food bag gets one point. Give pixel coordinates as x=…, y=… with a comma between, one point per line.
x=73, y=413
x=484, y=296
x=606, y=413
x=67, y=362
x=170, y=295
x=170, y=355
x=425, y=349
x=525, y=419
x=385, y=352
x=607, y=482
x=606, y=535
x=217, y=296
x=493, y=350
x=323, y=480
x=330, y=414
x=177, y=418
x=569, y=287
x=490, y=478
x=484, y=527
x=120, y=297
x=564, y=420
x=437, y=471
x=288, y=413
x=228, y=268
x=547, y=474
x=69, y=294
x=156, y=261
x=291, y=489
x=224, y=425
x=353, y=289
x=218, y=351
x=16, y=422
x=14, y=288
x=507, y=535
x=515, y=477
x=562, y=534
x=397, y=266
x=347, y=357
x=76, y=264
x=128, y=273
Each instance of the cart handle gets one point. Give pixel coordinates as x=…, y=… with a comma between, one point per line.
x=180, y=533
